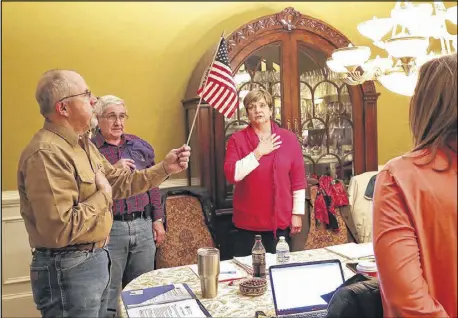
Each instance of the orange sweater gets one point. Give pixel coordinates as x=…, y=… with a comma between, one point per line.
x=415, y=237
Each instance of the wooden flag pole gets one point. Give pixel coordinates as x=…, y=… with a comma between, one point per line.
x=205, y=84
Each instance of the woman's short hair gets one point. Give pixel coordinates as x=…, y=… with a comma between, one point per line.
x=433, y=107
x=104, y=101
x=100, y=106
x=256, y=95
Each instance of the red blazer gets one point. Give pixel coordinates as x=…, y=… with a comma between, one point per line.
x=263, y=200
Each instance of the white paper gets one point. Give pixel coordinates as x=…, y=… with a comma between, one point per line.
x=176, y=294
x=353, y=250
x=228, y=271
x=184, y=308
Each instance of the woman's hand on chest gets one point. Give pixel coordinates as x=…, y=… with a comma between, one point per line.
x=267, y=145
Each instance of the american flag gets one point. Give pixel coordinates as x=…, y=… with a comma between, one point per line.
x=218, y=87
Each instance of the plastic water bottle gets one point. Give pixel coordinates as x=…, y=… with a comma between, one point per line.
x=282, y=251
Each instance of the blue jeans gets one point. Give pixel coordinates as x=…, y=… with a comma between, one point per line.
x=72, y=284
x=132, y=251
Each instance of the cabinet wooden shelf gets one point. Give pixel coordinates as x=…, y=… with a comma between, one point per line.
x=286, y=54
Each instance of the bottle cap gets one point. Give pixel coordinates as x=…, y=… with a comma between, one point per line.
x=366, y=266
x=257, y=237
x=282, y=238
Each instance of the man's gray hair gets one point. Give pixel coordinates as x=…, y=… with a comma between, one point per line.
x=102, y=104
x=52, y=86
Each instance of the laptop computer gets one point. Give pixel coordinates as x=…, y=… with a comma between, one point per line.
x=298, y=288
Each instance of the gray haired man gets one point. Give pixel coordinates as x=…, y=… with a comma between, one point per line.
x=66, y=190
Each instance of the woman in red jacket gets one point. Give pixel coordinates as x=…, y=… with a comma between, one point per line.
x=415, y=204
x=266, y=165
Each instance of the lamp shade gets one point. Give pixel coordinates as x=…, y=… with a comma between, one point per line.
x=431, y=26
x=375, y=29
x=399, y=83
x=351, y=56
x=425, y=58
x=407, y=46
x=451, y=14
x=335, y=66
x=409, y=13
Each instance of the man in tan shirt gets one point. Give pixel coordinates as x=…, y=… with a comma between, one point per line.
x=66, y=190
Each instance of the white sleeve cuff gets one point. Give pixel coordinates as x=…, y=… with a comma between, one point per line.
x=244, y=166
x=299, y=202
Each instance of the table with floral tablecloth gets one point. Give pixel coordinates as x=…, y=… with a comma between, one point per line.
x=229, y=302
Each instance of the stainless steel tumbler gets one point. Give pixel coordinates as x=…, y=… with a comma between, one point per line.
x=208, y=268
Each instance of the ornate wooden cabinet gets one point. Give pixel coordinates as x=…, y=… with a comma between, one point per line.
x=286, y=54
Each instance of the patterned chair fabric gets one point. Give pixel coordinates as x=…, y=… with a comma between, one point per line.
x=186, y=232
x=319, y=236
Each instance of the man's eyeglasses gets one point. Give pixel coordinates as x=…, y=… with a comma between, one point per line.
x=86, y=93
x=113, y=117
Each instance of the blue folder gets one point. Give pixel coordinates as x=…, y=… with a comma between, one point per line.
x=136, y=297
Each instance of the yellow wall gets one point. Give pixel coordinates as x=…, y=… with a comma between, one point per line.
x=145, y=52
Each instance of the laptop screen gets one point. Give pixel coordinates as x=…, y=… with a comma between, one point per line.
x=299, y=287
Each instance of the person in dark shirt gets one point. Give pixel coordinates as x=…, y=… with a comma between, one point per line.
x=137, y=227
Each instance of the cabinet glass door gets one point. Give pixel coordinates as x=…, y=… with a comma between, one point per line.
x=326, y=126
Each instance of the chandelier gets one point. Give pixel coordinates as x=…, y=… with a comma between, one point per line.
x=413, y=28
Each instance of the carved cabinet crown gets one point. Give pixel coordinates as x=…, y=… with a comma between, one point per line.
x=285, y=53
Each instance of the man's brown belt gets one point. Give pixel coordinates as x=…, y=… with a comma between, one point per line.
x=73, y=248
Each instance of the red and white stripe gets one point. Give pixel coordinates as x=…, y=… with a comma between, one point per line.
x=220, y=91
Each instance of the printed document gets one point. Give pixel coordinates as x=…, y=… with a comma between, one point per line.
x=184, y=308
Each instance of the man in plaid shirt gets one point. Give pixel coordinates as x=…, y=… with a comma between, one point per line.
x=137, y=227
